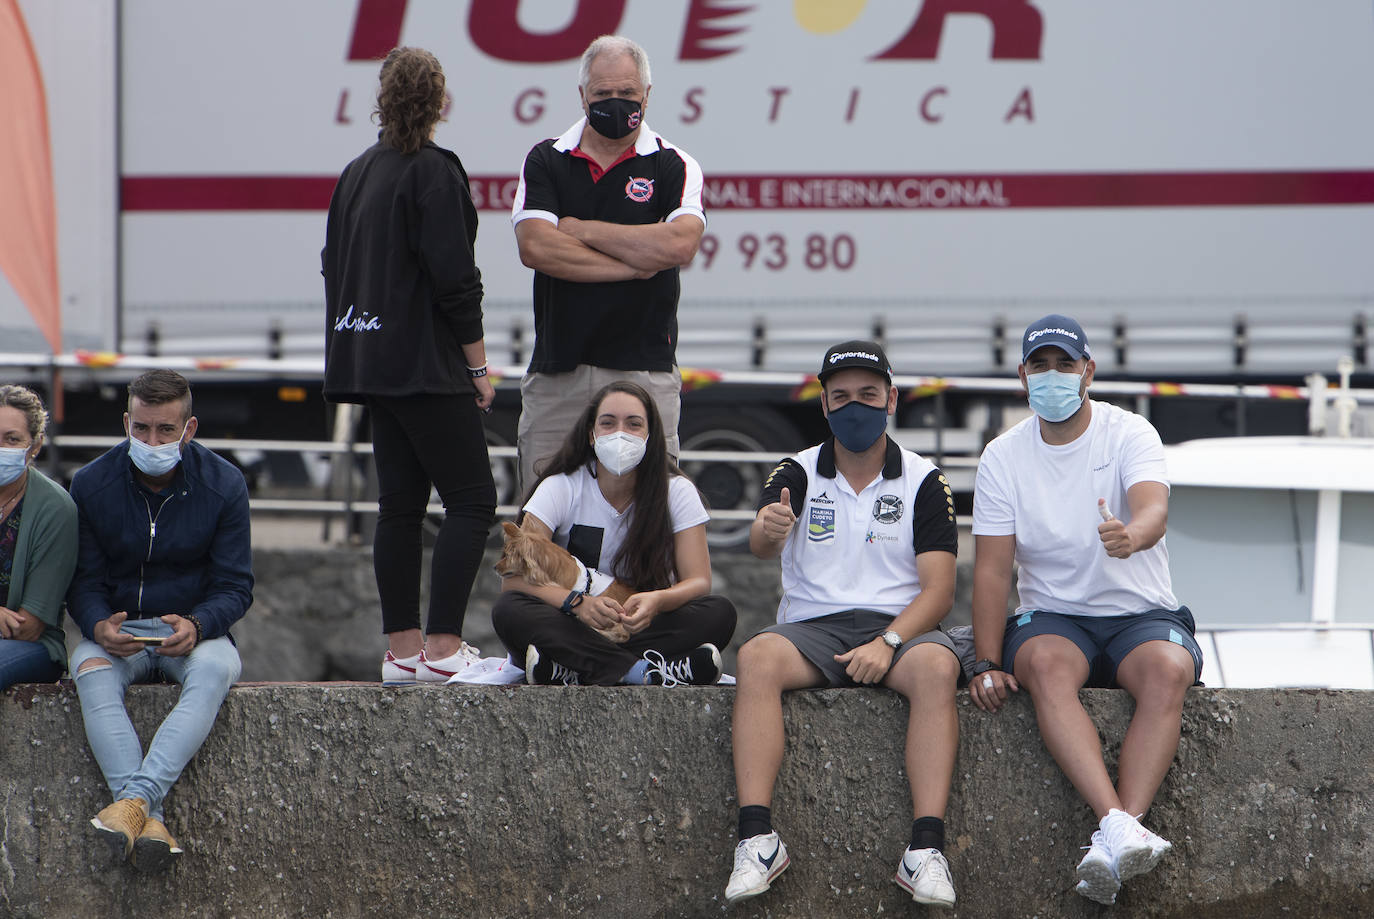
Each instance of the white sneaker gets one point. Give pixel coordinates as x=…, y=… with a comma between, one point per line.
x=924, y=873
x=758, y=861
x=1097, y=878
x=1135, y=850
x=439, y=671
x=398, y=671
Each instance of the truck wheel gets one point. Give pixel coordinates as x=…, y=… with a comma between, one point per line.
x=733, y=486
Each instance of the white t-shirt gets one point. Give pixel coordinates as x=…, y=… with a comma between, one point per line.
x=1046, y=496
x=584, y=522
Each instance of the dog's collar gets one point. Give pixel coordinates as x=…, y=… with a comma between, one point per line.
x=584, y=576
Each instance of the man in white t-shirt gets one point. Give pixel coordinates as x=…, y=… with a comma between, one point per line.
x=1077, y=495
x=867, y=538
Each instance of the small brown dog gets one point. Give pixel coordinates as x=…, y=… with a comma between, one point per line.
x=542, y=563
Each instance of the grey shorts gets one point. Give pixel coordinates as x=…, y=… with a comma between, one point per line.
x=820, y=639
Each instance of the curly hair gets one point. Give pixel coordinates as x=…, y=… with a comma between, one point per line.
x=12, y=395
x=410, y=98
x=646, y=558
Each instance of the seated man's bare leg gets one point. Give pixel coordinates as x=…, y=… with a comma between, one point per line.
x=1157, y=674
x=1053, y=669
x=768, y=666
x=927, y=675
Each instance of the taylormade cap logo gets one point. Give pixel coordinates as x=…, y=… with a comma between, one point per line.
x=839, y=356
x=1057, y=330
x=1038, y=332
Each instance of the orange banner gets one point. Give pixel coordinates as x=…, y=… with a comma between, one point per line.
x=28, y=207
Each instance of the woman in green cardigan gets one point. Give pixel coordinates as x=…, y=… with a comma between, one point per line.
x=37, y=547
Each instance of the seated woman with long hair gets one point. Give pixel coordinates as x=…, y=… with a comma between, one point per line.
x=612, y=498
x=38, y=540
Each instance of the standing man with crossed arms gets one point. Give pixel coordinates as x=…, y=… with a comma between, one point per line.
x=606, y=214
x=1096, y=604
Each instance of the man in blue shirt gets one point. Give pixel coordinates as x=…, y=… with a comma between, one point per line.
x=163, y=570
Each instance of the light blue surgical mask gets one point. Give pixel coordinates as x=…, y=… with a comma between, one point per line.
x=858, y=426
x=1054, y=396
x=13, y=462
x=156, y=461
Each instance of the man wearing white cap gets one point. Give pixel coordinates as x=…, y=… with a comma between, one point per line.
x=1077, y=495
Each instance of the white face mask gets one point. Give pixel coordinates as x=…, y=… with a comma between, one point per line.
x=13, y=462
x=156, y=461
x=620, y=452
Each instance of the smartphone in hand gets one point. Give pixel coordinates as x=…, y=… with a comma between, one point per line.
x=148, y=639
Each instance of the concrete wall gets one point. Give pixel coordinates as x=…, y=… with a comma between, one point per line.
x=347, y=800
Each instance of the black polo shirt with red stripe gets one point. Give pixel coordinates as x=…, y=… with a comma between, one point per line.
x=620, y=325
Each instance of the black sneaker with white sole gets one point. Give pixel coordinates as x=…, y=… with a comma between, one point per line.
x=541, y=670
x=698, y=667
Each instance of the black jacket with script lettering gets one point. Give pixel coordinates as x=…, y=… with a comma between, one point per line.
x=401, y=287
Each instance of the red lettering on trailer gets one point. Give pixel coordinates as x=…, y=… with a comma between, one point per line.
x=1017, y=28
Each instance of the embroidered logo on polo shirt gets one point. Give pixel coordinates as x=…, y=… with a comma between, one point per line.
x=820, y=526
x=821, y=499
x=887, y=509
x=639, y=190
x=873, y=537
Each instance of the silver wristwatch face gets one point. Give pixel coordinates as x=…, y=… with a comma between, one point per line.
x=892, y=639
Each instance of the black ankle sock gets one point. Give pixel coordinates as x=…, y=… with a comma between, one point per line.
x=755, y=820
x=928, y=833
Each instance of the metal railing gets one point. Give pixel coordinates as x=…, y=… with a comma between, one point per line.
x=346, y=449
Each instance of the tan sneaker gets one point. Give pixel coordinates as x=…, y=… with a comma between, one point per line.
x=120, y=823
x=155, y=849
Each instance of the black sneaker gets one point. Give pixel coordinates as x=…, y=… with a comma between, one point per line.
x=698, y=667
x=545, y=671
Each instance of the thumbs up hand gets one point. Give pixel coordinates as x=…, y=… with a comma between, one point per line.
x=778, y=518
x=1116, y=539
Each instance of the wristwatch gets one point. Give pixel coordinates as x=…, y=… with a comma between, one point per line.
x=892, y=639
x=984, y=665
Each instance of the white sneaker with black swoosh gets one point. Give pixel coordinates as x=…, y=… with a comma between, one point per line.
x=758, y=861
x=924, y=874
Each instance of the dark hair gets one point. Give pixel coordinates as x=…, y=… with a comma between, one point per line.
x=158, y=387
x=410, y=98
x=646, y=557
x=12, y=395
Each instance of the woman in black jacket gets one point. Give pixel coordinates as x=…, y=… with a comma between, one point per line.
x=403, y=332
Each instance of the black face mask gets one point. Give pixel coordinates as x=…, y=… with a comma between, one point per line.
x=613, y=118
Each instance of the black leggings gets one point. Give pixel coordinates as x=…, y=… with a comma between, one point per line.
x=522, y=620
x=418, y=440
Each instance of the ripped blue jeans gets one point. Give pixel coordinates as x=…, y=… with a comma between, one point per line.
x=205, y=676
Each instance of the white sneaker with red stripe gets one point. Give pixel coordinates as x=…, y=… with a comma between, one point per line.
x=399, y=671
x=439, y=671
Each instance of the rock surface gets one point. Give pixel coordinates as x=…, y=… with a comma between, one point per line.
x=348, y=800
